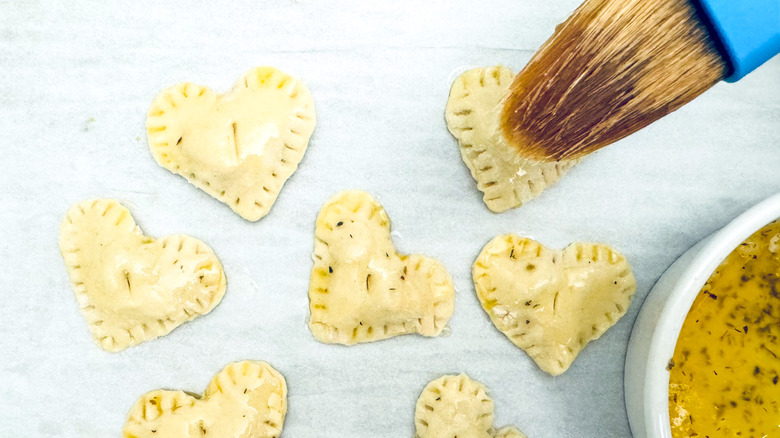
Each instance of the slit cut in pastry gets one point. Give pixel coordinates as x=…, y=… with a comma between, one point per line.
x=361, y=290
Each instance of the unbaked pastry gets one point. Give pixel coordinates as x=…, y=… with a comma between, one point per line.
x=132, y=288
x=552, y=303
x=456, y=406
x=245, y=400
x=239, y=147
x=505, y=178
x=361, y=290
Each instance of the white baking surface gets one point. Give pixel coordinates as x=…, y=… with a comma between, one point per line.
x=76, y=79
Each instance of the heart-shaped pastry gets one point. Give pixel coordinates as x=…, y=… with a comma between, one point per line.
x=238, y=147
x=505, y=178
x=361, y=290
x=245, y=400
x=456, y=406
x=552, y=303
x=132, y=288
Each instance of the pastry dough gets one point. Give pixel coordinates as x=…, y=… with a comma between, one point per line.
x=245, y=400
x=552, y=303
x=456, y=406
x=361, y=290
x=131, y=287
x=506, y=179
x=238, y=147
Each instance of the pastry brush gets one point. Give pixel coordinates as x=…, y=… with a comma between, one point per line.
x=615, y=66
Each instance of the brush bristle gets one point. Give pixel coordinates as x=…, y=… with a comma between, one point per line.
x=612, y=68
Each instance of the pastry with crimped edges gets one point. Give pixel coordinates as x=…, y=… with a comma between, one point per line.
x=131, y=287
x=505, y=178
x=361, y=290
x=246, y=399
x=239, y=147
x=457, y=406
x=552, y=303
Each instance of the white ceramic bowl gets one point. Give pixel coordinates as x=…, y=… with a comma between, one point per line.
x=659, y=322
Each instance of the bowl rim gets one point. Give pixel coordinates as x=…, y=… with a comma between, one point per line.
x=711, y=251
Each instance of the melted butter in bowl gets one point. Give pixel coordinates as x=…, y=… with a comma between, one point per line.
x=726, y=364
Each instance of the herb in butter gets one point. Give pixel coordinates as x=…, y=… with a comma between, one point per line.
x=724, y=373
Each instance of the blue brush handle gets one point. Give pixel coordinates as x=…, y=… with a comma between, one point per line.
x=748, y=30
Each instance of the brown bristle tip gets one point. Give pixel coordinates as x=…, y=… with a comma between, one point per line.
x=610, y=69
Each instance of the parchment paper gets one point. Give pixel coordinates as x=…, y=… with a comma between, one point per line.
x=77, y=79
